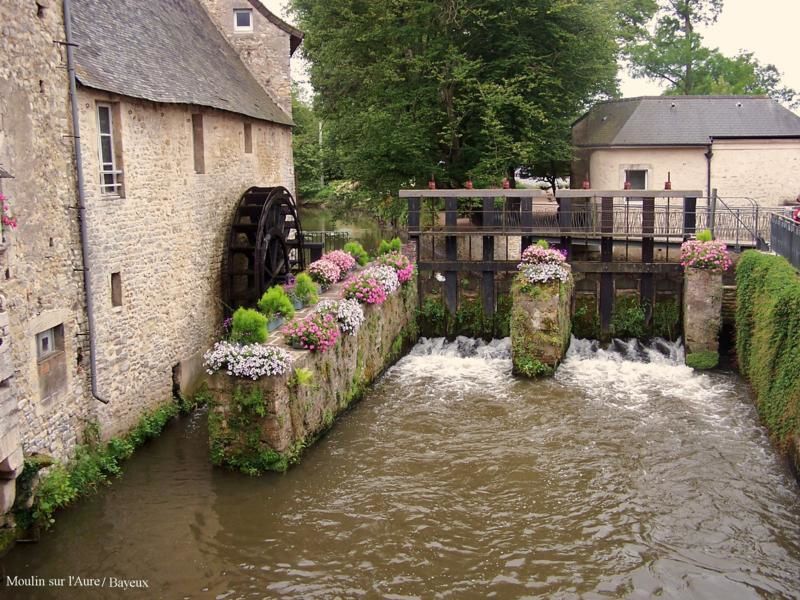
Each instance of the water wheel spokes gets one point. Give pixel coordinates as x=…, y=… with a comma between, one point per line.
x=265, y=245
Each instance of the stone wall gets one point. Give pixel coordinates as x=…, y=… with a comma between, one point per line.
x=40, y=261
x=702, y=317
x=165, y=238
x=540, y=325
x=265, y=51
x=287, y=416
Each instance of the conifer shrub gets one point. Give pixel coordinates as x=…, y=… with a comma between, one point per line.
x=276, y=301
x=356, y=250
x=248, y=327
x=306, y=289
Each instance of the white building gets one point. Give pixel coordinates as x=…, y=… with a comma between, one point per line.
x=744, y=146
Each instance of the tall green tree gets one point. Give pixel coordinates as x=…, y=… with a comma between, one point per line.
x=674, y=52
x=454, y=88
x=308, y=163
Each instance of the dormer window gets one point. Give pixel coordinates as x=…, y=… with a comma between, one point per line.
x=242, y=20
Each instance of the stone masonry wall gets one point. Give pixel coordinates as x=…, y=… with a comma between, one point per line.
x=40, y=273
x=540, y=325
x=295, y=415
x=265, y=51
x=165, y=238
x=702, y=315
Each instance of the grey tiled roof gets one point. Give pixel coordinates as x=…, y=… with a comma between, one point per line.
x=165, y=51
x=683, y=120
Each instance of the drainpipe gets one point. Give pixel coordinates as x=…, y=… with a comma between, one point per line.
x=710, y=194
x=76, y=132
x=709, y=155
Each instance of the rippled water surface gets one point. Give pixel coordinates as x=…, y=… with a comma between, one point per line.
x=627, y=475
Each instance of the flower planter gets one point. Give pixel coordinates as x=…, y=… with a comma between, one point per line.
x=297, y=303
x=274, y=323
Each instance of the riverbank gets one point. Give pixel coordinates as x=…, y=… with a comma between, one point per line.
x=768, y=343
x=265, y=424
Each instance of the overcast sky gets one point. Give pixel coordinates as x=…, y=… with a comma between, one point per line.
x=769, y=28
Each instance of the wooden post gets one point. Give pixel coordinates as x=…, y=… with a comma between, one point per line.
x=565, y=223
x=451, y=250
x=414, y=205
x=606, y=256
x=487, y=281
x=647, y=289
x=526, y=220
x=689, y=217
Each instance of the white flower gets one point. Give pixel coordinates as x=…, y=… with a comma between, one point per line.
x=249, y=360
x=350, y=316
x=384, y=275
x=544, y=272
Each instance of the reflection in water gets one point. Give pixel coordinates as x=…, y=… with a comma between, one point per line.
x=627, y=475
x=361, y=228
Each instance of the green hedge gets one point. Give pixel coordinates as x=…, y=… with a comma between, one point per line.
x=768, y=339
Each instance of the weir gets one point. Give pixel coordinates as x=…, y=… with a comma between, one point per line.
x=623, y=246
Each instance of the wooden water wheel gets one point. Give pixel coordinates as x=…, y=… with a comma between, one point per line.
x=265, y=245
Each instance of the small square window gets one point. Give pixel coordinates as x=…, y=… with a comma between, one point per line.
x=49, y=342
x=637, y=178
x=243, y=20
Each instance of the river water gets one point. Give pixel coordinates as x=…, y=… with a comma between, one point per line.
x=627, y=475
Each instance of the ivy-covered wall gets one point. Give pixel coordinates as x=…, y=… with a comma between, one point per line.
x=540, y=325
x=768, y=342
x=263, y=425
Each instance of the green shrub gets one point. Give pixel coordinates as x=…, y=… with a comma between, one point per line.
x=627, y=320
x=666, y=318
x=543, y=244
x=704, y=236
x=395, y=245
x=305, y=289
x=703, y=360
x=249, y=326
x=275, y=301
x=432, y=317
x=768, y=339
x=55, y=491
x=357, y=251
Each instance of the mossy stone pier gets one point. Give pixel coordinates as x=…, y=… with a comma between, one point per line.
x=262, y=425
x=702, y=317
x=540, y=326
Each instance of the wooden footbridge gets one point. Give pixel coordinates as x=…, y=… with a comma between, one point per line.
x=614, y=238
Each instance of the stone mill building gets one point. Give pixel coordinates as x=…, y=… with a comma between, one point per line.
x=109, y=284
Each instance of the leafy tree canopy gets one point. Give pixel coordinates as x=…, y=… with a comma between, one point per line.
x=674, y=53
x=455, y=88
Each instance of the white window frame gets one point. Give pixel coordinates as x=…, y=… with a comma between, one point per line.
x=641, y=170
x=108, y=167
x=50, y=336
x=236, y=27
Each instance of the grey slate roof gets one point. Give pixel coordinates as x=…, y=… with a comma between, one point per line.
x=682, y=120
x=165, y=51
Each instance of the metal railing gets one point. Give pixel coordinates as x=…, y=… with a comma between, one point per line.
x=785, y=238
x=667, y=216
x=316, y=243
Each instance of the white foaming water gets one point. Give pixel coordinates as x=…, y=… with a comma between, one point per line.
x=627, y=374
x=462, y=365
